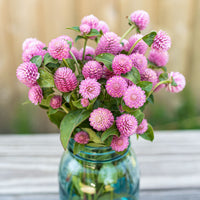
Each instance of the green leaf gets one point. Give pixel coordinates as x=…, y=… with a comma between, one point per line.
x=46, y=79
x=93, y=136
x=139, y=115
x=52, y=66
x=46, y=102
x=46, y=92
x=163, y=76
x=77, y=104
x=49, y=59
x=95, y=145
x=149, y=38
x=145, y=85
x=70, y=122
x=70, y=63
x=67, y=96
x=106, y=59
x=78, y=37
x=173, y=82
x=75, y=28
x=93, y=32
x=37, y=60
x=56, y=117
x=133, y=75
x=90, y=106
x=111, y=131
x=70, y=43
x=126, y=108
x=78, y=147
x=148, y=135
x=151, y=99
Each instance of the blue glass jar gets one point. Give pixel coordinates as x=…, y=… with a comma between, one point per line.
x=98, y=173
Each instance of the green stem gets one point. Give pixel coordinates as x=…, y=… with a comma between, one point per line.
x=84, y=47
x=127, y=32
x=77, y=65
x=65, y=108
x=65, y=62
x=131, y=49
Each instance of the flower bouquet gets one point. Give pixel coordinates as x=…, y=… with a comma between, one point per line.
x=96, y=97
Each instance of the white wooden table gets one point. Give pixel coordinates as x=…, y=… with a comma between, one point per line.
x=170, y=166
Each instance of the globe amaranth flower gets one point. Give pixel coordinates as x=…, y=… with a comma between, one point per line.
x=32, y=42
x=139, y=61
x=89, y=52
x=109, y=43
x=134, y=97
x=158, y=73
x=27, y=73
x=126, y=124
x=89, y=88
x=116, y=86
x=107, y=73
x=103, y=26
x=66, y=38
x=76, y=53
x=142, y=128
x=91, y=21
x=92, y=69
x=81, y=137
x=59, y=48
x=158, y=57
x=119, y=143
x=140, y=18
x=85, y=102
x=101, y=119
x=35, y=94
x=56, y=101
x=162, y=41
x=65, y=80
x=179, y=80
x=149, y=75
x=85, y=29
x=121, y=64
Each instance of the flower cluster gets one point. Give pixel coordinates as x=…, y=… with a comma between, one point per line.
x=100, y=91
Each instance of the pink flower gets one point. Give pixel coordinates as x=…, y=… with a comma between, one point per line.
x=116, y=86
x=35, y=94
x=140, y=18
x=32, y=42
x=89, y=88
x=85, y=29
x=103, y=26
x=119, y=143
x=85, y=102
x=109, y=43
x=59, y=48
x=121, y=64
x=91, y=21
x=92, y=69
x=76, y=53
x=88, y=51
x=65, y=80
x=126, y=124
x=179, y=80
x=107, y=73
x=27, y=73
x=81, y=137
x=56, y=101
x=66, y=38
x=141, y=46
x=139, y=61
x=149, y=75
x=142, y=128
x=162, y=41
x=158, y=57
x=134, y=97
x=101, y=119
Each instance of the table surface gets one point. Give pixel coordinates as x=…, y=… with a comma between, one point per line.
x=170, y=166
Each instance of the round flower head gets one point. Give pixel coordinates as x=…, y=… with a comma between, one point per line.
x=66, y=38
x=116, y=86
x=103, y=27
x=35, y=94
x=81, y=137
x=119, y=143
x=162, y=41
x=139, y=61
x=88, y=51
x=149, y=75
x=159, y=58
x=85, y=102
x=76, y=53
x=140, y=18
x=91, y=21
x=142, y=128
x=158, y=73
x=121, y=64
x=65, y=80
x=179, y=80
x=101, y=119
x=109, y=43
x=126, y=124
x=89, y=88
x=56, y=101
x=92, y=69
x=107, y=73
x=28, y=42
x=59, y=48
x=134, y=97
x=85, y=29
x=141, y=46
x=27, y=73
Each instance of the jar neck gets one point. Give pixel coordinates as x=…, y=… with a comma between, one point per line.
x=96, y=154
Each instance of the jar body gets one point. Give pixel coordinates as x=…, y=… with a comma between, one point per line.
x=98, y=174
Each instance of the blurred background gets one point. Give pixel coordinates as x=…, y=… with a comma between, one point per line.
x=47, y=19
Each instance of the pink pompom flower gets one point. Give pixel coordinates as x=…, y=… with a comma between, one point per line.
x=35, y=94
x=65, y=80
x=92, y=69
x=149, y=75
x=89, y=52
x=126, y=124
x=134, y=97
x=119, y=143
x=142, y=128
x=85, y=102
x=66, y=38
x=89, y=88
x=101, y=119
x=91, y=21
x=121, y=64
x=140, y=18
x=116, y=86
x=30, y=42
x=27, y=73
x=85, y=29
x=81, y=137
x=103, y=26
x=179, y=80
x=56, y=101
